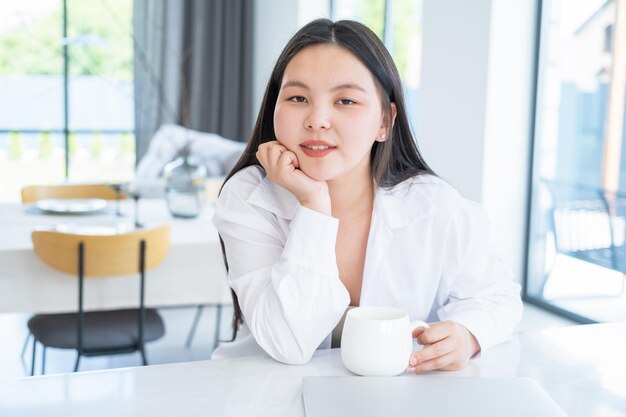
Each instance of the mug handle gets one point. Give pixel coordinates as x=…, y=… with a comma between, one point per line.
x=418, y=323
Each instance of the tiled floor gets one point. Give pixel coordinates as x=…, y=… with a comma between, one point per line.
x=171, y=348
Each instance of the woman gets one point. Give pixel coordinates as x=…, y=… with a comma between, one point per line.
x=332, y=206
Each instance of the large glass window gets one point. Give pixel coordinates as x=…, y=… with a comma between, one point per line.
x=577, y=239
x=399, y=24
x=66, y=93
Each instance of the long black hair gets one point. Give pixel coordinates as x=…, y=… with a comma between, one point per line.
x=393, y=160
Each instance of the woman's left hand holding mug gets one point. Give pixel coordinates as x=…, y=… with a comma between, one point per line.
x=448, y=346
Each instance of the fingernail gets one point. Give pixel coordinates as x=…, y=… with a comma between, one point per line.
x=410, y=369
x=413, y=361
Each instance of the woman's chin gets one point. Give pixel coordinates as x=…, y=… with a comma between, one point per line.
x=316, y=174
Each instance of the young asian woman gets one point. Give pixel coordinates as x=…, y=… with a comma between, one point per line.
x=332, y=205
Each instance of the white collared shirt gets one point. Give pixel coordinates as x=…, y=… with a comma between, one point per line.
x=429, y=253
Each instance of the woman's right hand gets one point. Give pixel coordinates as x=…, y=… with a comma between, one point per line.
x=282, y=168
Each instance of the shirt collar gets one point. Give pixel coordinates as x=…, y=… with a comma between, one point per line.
x=402, y=204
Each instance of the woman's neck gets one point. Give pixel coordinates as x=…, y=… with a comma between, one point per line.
x=351, y=196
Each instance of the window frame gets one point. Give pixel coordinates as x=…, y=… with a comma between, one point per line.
x=65, y=130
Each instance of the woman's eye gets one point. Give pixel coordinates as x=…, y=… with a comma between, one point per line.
x=345, y=101
x=297, y=99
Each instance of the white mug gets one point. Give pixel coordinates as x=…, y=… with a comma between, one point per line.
x=377, y=341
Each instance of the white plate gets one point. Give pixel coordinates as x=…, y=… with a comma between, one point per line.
x=95, y=229
x=71, y=205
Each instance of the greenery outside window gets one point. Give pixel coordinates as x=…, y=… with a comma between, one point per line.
x=66, y=107
x=399, y=24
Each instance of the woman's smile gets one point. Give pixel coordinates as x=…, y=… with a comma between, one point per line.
x=317, y=148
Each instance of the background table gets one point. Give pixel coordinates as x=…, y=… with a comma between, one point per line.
x=582, y=367
x=192, y=273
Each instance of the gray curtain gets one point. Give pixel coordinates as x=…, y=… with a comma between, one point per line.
x=193, y=67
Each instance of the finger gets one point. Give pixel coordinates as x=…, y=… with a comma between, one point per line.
x=418, y=331
x=266, y=145
x=431, y=352
x=261, y=156
x=262, y=153
x=445, y=362
x=287, y=159
x=435, y=333
x=274, y=153
x=264, y=148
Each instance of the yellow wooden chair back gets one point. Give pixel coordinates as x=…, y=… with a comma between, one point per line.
x=33, y=193
x=104, y=255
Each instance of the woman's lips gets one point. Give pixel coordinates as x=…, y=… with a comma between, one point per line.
x=317, y=148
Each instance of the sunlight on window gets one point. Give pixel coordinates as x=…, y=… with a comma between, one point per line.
x=99, y=46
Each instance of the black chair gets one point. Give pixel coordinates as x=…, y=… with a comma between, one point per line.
x=588, y=223
x=96, y=333
x=196, y=320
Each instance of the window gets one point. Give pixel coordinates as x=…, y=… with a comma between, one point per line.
x=608, y=38
x=577, y=241
x=66, y=107
x=399, y=24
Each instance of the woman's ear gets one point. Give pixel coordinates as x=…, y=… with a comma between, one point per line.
x=386, y=127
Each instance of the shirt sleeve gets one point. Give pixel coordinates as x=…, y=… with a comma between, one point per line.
x=288, y=289
x=482, y=294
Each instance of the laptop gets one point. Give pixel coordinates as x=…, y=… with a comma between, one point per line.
x=428, y=396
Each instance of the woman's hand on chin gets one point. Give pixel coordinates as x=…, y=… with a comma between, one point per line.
x=282, y=168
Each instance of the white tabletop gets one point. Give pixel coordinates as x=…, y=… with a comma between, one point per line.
x=582, y=367
x=192, y=273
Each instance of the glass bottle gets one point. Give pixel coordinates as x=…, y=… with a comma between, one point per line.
x=184, y=186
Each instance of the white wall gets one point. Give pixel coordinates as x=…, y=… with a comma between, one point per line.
x=455, y=46
x=475, y=103
x=506, y=168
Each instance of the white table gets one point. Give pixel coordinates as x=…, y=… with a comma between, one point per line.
x=193, y=272
x=582, y=367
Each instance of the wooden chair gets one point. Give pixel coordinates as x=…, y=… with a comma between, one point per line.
x=97, y=333
x=33, y=193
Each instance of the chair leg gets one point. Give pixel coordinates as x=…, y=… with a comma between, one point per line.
x=32, y=364
x=142, y=350
x=25, y=346
x=194, y=325
x=218, y=322
x=43, y=361
x=77, y=361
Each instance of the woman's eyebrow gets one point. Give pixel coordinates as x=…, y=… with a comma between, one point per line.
x=295, y=84
x=343, y=86
x=349, y=86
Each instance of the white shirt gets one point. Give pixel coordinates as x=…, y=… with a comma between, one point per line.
x=429, y=253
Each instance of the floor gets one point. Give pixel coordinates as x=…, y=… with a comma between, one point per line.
x=171, y=348
x=587, y=290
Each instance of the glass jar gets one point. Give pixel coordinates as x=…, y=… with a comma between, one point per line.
x=184, y=187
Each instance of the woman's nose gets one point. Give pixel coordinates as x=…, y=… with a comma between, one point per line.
x=318, y=118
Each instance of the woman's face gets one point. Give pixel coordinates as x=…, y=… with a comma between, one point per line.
x=329, y=113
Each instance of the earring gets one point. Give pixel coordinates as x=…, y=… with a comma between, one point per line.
x=383, y=136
